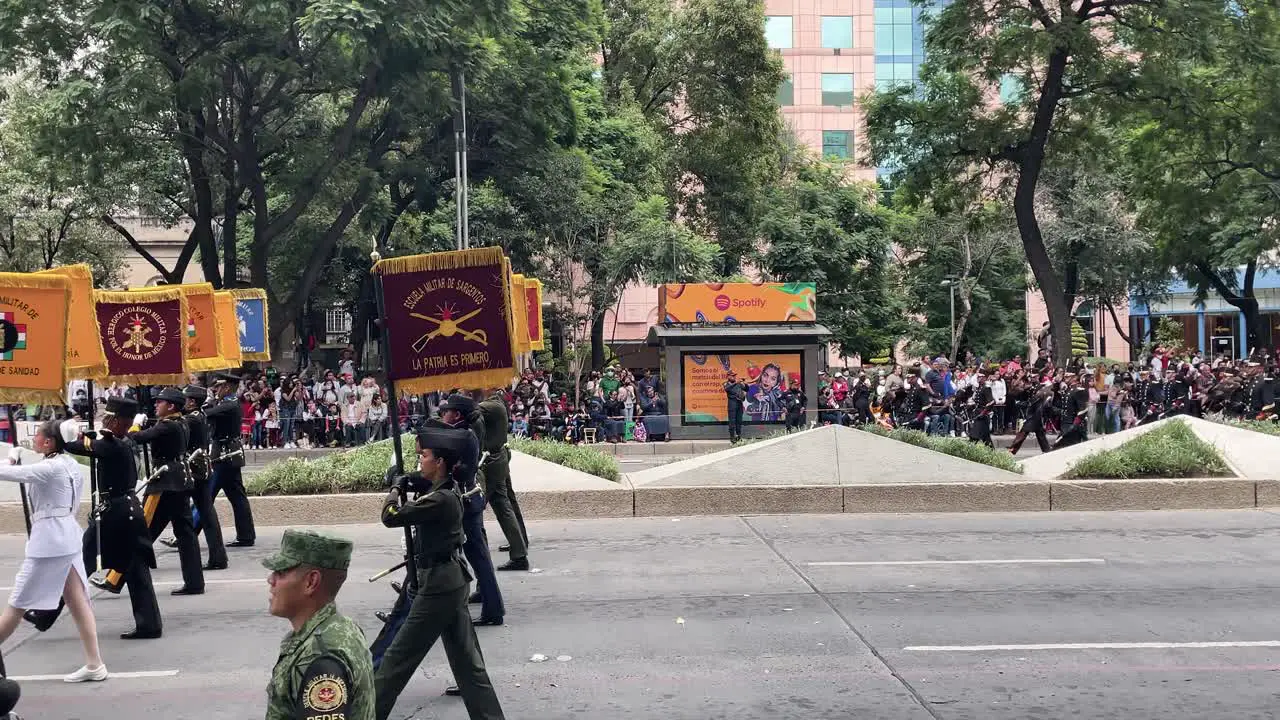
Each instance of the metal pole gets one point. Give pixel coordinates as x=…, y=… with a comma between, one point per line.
x=393, y=413
x=459, y=157
x=22, y=489
x=93, y=481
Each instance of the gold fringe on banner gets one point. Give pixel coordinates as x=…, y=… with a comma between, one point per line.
x=224, y=304
x=474, y=380
x=160, y=293
x=538, y=343
x=50, y=357
x=85, y=357
x=256, y=294
x=519, y=314
x=21, y=396
x=475, y=257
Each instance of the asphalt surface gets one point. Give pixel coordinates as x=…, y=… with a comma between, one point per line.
x=765, y=617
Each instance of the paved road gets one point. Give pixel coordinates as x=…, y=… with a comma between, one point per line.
x=813, y=617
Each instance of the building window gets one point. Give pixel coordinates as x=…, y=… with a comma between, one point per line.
x=837, y=89
x=837, y=144
x=786, y=92
x=1010, y=89
x=899, y=43
x=777, y=31
x=337, y=326
x=837, y=31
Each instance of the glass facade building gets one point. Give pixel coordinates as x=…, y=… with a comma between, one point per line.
x=836, y=51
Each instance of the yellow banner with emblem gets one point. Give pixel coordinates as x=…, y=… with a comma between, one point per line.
x=34, y=311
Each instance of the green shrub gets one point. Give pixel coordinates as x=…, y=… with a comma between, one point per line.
x=576, y=457
x=1170, y=451
x=363, y=469
x=1262, y=426
x=956, y=447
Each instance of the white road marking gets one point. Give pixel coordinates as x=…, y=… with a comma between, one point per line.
x=112, y=676
x=178, y=583
x=1095, y=646
x=1019, y=561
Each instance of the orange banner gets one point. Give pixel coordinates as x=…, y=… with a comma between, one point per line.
x=33, y=337
x=738, y=303
x=224, y=306
x=85, y=358
x=766, y=375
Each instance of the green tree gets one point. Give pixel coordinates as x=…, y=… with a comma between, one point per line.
x=1079, y=340
x=701, y=74
x=1066, y=57
x=1206, y=172
x=824, y=229
x=978, y=252
x=47, y=217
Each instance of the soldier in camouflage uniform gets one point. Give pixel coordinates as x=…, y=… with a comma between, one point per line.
x=324, y=671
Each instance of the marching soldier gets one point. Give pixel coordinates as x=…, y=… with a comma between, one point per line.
x=1074, y=428
x=228, y=457
x=460, y=412
x=439, y=609
x=497, y=483
x=1034, y=423
x=126, y=541
x=201, y=471
x=324, y=670
x=169, y=487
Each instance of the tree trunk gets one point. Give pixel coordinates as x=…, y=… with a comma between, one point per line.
x=1029, y=168
x=597, y=338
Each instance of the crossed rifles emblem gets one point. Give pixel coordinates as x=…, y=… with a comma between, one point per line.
x=448, y=326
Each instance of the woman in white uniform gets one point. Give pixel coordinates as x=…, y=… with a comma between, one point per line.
x=53, y=567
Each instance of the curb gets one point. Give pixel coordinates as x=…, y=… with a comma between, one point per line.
x=1030, y=496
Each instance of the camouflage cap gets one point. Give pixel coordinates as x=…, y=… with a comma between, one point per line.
x=307, y=547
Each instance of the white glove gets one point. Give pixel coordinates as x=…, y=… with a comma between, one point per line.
x=15, y=455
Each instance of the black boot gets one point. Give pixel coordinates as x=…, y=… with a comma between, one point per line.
x=521, y=564
x=397, y=587
x=43, y=619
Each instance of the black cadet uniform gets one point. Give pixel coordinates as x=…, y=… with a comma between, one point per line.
x=169, y=489
x=228, y=458
x=496, y=478
x=202, y=477
x=439, y=609
x=126, y=542
x=1034, y=424
x=1074, y=429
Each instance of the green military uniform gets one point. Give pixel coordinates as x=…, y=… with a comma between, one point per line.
x=439, y=609
x=324, y=671
x=497, y=478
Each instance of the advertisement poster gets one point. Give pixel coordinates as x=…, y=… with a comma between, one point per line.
x=738, y=303
x=767, y=376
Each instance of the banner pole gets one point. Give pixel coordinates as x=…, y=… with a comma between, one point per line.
x=22, y=489
x=393, y=413
x=93, y=482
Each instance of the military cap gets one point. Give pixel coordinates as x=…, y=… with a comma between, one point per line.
x=450, y=439
x=459, y=402
x=226, y=378
x=195, y=392
x=122, y=406
x=308, y=547
x=171, y=395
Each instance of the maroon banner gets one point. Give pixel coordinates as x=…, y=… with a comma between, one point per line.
x=142, y=335
x=448, y=320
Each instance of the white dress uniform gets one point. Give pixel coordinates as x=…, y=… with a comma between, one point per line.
x=54, y=487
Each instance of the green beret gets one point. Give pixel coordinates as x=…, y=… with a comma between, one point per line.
x=308, y=547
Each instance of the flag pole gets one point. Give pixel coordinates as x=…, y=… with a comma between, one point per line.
x=93, y=483
x=393, y=412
